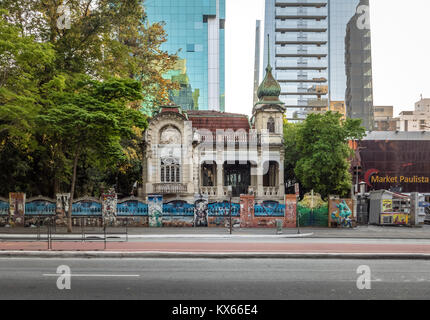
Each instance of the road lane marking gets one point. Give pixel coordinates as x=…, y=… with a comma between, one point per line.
x=94, y=275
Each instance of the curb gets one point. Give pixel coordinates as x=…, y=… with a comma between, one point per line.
x=157, y=236
x=207, y=255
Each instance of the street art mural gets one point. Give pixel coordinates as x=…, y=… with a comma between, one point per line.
x=155, y=211
x=109, y=203
x=341, y=214
x=87, y=207
x=131, y=207
x=132, y=212
x=178, y=214
x=4, y=207
x=247, y=203
x=223, y=209
x=62, y=204
x=312, y=211
x=269, y=209
x=219, y=214
x=17, y=208
x=200, y=211
x=40, y=207
x=268, y=213
x=4, y=212
x=290, y=210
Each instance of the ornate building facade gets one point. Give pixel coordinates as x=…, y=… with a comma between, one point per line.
x=217, y=155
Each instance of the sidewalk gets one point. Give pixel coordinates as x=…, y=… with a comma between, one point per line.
x=315, y=249
x=361, y=232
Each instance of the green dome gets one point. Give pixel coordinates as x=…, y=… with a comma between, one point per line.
x=269, y=87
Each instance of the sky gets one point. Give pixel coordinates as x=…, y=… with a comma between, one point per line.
x=400, y=52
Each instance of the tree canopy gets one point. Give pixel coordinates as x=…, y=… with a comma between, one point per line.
x=317, y=152
x=72, y=79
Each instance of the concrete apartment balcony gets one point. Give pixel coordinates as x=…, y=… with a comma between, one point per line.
x=300, y=3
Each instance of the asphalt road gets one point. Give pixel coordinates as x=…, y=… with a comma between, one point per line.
x=189, y=279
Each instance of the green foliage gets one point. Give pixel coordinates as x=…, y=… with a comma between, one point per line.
x=291, y=154
x=69, y=97
x=317, y=152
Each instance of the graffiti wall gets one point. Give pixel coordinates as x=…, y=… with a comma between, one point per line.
x=200, y=211
x=269, y=209
x=219, y=214
x=267, y=213
x=4, y=207
x=17, y=208
x=131, y=208
x=341, y=213
x=109, y=203
x=155, y=211
x=62, y=204
x=290, y=210
x=247, y=203
x=40, y=207
x=87, y=207
x=4, y=212
x=178, y=214
x=312, y=211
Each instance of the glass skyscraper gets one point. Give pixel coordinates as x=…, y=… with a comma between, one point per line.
x=298, y=32
x=307, y=44
x=340, y=13
x=358, y=61
x=195, y=30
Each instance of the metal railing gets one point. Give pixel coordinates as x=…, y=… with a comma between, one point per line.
x=46, y=229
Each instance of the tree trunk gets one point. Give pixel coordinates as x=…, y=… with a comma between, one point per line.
x=72, y=192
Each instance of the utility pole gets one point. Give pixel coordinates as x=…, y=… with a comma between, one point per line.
x=230, y=192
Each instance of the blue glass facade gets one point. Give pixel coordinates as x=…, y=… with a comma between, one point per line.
x=340, y=13
x=195, y=30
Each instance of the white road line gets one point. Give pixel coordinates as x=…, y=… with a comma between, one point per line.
x=92, y=275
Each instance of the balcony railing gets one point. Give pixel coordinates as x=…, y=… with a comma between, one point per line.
x=209, y=191
x=170, y=188
x=271, y=192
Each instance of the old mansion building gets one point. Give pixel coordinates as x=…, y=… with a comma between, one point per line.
x=201, y=153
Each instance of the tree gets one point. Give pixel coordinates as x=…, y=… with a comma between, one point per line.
x=291, y=153
x=90, y=118
x=321, y=145
x=106, y=38
x=22, y=61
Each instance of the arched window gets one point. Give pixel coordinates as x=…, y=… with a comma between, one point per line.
x=271, y=125
x=170, y=170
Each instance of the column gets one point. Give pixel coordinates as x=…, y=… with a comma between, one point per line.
x=220, y=179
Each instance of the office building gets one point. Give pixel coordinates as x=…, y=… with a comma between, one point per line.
x=195, y=31
x=298, y=50
x=417, y=120
x=358, y=61
x=384, y=119
x=308, y=50
x=257, y=59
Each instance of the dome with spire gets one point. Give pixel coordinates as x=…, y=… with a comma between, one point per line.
x=269, y=90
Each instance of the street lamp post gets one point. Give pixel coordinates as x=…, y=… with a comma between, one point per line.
x=230, y=192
